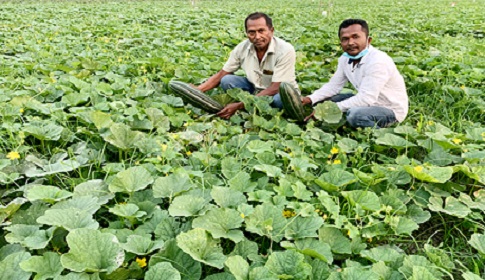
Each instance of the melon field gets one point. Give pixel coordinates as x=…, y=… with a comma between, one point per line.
x=106, y=174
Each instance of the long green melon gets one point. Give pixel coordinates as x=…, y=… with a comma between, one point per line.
x=195, y=97
x=291, y=99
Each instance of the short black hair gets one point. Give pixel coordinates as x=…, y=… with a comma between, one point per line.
x=351, y=21
x=256, y=15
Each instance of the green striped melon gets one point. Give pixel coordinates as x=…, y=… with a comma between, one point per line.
x=195, y=97
x=291, y=99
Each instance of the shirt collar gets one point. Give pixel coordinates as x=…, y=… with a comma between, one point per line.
x=362, y=59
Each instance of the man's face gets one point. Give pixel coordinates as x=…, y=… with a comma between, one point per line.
x=353, y=39
x=259, y=33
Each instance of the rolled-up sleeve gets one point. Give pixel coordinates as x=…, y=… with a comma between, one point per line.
x=234, y=62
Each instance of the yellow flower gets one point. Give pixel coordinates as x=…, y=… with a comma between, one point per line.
x=242, y=215
x=21, y=110
x=462, y=87
x=141, y=262
x=324, y=216
x=119, y=59
x=334, y=150
x=337, y=161
x=456, y=141
x=418, y=168
x=430, y=122
x=13, y=155
x=288, y=213
x=188, y=153
x=164, y=147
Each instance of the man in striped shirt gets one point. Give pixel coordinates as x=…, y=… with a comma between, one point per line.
x=381, y=98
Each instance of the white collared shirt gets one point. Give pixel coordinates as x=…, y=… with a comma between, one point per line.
x=277, y=65
x=376, y=79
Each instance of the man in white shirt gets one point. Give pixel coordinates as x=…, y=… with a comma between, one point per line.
x=381, y=98
x=266, y=60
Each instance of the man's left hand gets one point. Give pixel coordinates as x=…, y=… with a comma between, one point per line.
x=230, y=110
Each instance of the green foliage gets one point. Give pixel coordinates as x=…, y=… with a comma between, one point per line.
x=103, y=170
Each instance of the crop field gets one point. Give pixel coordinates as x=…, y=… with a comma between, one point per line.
x=106, y=174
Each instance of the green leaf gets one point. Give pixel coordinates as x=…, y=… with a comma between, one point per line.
x=288, y=264
x=302, y=227
x=267, y=220
x=78, y=276
x=471, y=276
x=358, y=273
x=412, y=261
x=432, y=174
x=43, y=130
x=242, y=182
x=202, y=247
x=383, y=253
x=101, y=120
x=221, y=223
x=121, y=136
x=246, y=249
x=452, y=206
x=227, y=198
x=368, y=200
x=394, y=141
x=230, y=166
x=92, y=251
x=258, y=146
x=403, y=225
x=474, y=172
x=8, y=210
x=86, y=203
x=189, y=268
x=59, y=166
x=95, y=188
x=439, y=257
x=128, y=210
x=311, y=247
x=45, y=267
x=220, y=276
x=262, y=273
x=69, y=219
x=337, y=241
x=29, y=236
x=172, y=185
x=49, y=194
x=301, y=192
x=141, y=245
x=417, y=214
x=238, y=266
x=335, y=180
x=186, y=205
x=162, y=271
x=329, y=112
x=422, y=273
x=10, y=267
x=477, y=241
x=131, y=180
x=270, y=170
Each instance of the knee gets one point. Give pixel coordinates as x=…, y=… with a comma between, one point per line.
x=228, y=82
x=357, y=120
x=277, y=103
